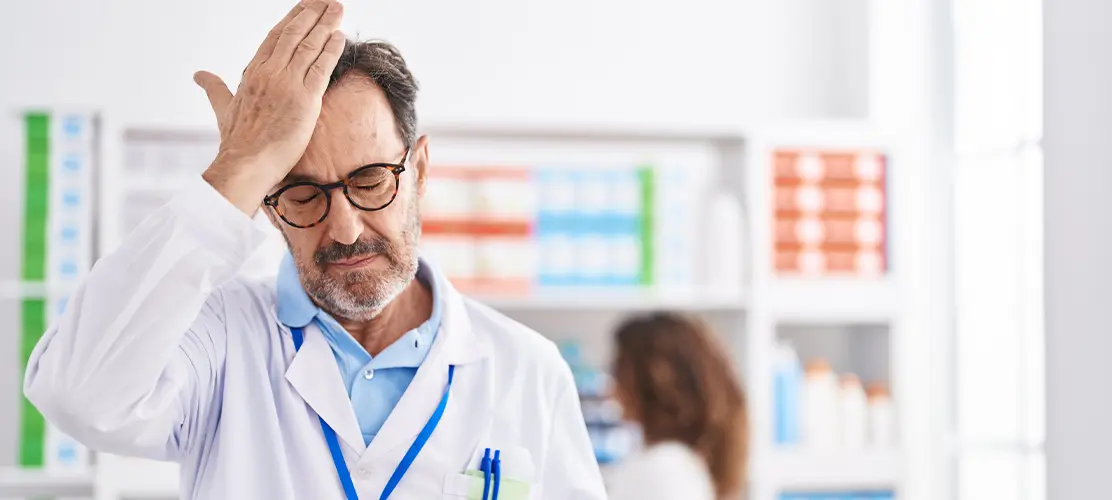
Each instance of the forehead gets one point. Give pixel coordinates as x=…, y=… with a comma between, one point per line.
x=355, y=127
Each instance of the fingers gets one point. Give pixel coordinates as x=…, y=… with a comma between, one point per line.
x=271, y=39
x=295, y=32
x=218, y=94
x=316, y=78
x=311, y=47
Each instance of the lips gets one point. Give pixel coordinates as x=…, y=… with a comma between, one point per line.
x=354, y=261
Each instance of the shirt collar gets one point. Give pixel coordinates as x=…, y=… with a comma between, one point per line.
x=295, y=308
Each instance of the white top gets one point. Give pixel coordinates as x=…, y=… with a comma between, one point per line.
x=163, y=353
x=665, y=471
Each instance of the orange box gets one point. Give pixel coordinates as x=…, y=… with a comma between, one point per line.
x=830, y=228
x=843, y=261
x=856, y=165
x=829, y=212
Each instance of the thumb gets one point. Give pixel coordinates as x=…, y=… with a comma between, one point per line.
x=218, y=94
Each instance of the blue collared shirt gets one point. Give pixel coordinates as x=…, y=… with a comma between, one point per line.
x=374, y=384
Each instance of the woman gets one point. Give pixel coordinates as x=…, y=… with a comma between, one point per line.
x=675, y=380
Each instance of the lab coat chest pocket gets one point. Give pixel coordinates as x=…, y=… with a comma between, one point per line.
x=517, y=473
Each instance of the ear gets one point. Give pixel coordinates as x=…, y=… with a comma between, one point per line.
x=419, y=158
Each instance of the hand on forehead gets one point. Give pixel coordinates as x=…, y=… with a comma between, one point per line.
x=355, y=128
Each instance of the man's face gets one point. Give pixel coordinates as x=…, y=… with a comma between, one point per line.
x=355, y=262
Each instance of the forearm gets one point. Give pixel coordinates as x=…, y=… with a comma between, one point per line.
x=115, y=347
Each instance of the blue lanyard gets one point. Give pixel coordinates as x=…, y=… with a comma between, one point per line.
x=410, y=455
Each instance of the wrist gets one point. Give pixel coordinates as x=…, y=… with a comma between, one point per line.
x=242, y=180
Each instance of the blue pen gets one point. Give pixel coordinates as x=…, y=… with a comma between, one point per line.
x=497, y=466
x=485, y=467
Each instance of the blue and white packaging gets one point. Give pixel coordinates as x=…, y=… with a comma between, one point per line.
x=555, y=225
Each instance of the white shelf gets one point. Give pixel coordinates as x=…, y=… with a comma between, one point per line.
x=601, y=299
x=834, y=470
x=825, y=300
x=17, y=482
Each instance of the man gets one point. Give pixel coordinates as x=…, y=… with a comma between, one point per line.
x=362, y=373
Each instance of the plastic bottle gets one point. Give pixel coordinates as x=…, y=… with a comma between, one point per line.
x=882, y=417
x=724, y=242
x=788, y=389
x=853, y=412
x=820, y=405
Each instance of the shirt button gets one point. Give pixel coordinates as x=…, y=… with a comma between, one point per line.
x=364, y=472
x=369, y=373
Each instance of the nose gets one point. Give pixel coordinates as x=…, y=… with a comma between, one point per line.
x=345, y=222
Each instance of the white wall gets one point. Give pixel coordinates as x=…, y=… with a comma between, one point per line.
x=569, y=61
x=1078, y=244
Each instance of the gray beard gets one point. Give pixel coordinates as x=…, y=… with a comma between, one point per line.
x=362, y=295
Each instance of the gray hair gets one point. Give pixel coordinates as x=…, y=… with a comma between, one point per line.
x=383, y=63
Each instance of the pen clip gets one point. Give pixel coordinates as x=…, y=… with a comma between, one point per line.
x=485, y=466
x=496, y=465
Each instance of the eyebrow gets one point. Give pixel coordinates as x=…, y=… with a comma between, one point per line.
x=293, y=178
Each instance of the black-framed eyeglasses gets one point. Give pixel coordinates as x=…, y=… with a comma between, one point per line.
x=369, y=188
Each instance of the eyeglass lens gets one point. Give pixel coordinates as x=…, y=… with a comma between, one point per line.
x=371, y=188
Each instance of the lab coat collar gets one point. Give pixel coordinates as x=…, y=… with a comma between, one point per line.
x=457, y=343
x=314, y=376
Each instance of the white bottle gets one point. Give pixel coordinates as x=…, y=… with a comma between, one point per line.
x=882, y=418
x=724, y=243
x=820, y=406
x=853, y=412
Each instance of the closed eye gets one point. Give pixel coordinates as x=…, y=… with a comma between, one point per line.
x=371, y=187
x=305, y=201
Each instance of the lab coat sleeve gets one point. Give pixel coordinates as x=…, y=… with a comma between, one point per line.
x=571, y=469
x=134, y=363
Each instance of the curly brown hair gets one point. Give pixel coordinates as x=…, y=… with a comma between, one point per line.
x=674, y=377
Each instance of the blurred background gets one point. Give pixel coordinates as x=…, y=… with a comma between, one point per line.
x=850, y=192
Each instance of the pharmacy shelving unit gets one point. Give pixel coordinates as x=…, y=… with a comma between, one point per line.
x=856, y=323
x=54, y=160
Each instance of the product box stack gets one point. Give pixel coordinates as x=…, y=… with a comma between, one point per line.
x=830, y=212
x=59, y=198
x=515, y=230
x=593, y=227
x=478, y=224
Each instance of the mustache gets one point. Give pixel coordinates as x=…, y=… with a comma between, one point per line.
x=362, y=247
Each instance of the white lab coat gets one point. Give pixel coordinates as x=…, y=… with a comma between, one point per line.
x=664, y=471
x=163, y=353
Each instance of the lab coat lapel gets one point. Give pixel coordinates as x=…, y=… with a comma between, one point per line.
x=313, y=373
x=456, y=343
